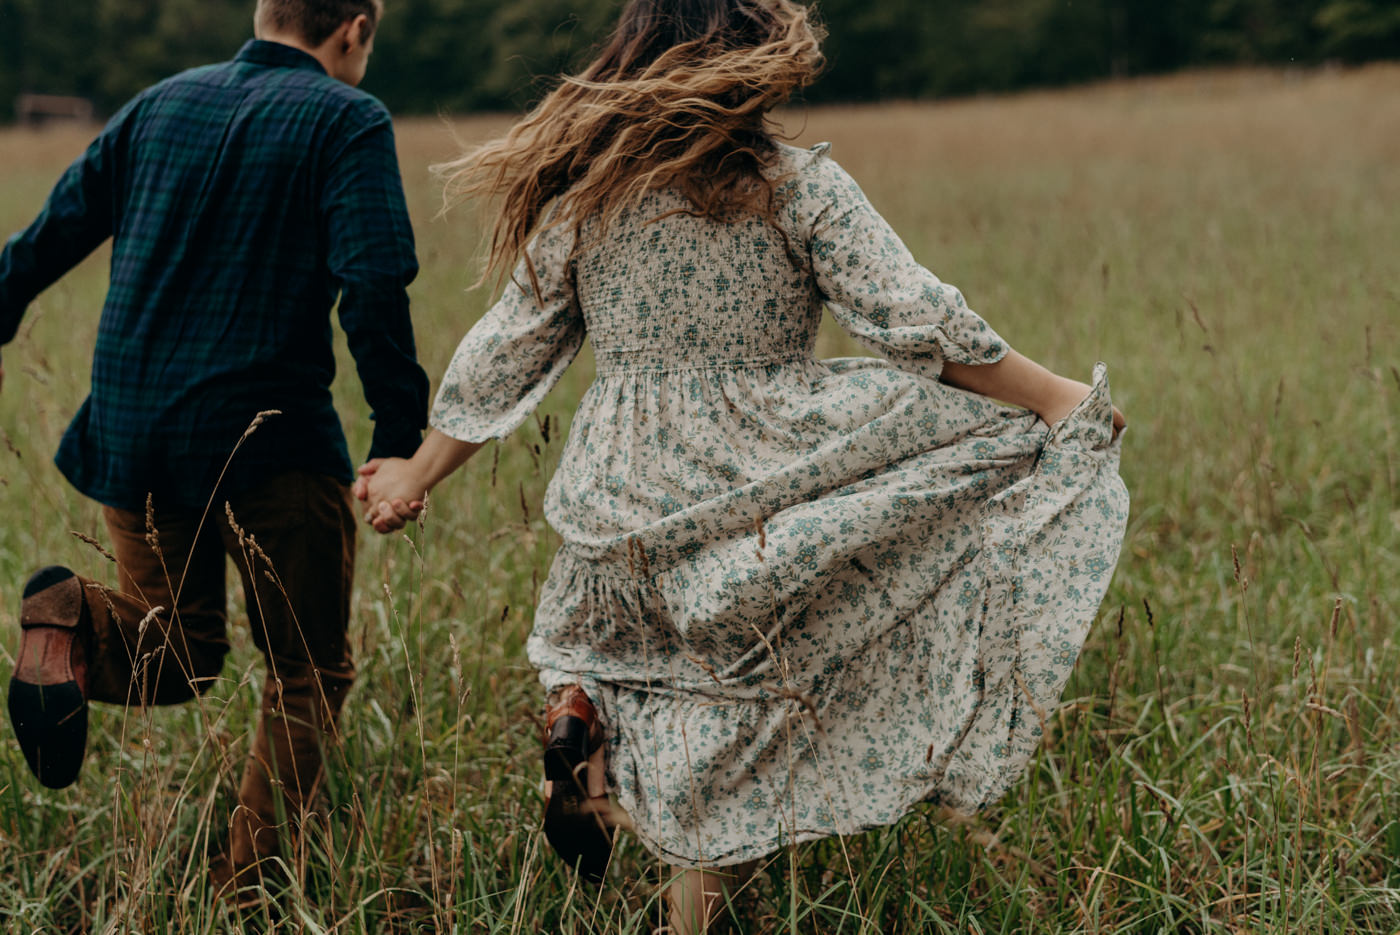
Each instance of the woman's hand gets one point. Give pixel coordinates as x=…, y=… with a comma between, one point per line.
x=392, y=492
x=1018, y=380
x=1066, y=395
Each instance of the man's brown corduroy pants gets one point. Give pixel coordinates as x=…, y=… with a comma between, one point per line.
x=160, y=637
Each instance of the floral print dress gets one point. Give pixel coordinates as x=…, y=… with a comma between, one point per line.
x=805, y=594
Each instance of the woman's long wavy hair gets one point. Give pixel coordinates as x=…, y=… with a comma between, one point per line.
x=679, y=97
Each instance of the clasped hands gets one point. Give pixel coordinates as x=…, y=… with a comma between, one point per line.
x=395, y=490
x=392, y=493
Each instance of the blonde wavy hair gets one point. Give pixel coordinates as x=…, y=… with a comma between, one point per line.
x=678, y=97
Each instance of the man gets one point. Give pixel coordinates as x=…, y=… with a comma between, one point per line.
x=242, y=199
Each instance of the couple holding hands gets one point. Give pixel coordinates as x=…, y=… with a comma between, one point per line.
x=795, y=597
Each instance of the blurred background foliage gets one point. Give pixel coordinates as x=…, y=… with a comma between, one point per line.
x=454, y=56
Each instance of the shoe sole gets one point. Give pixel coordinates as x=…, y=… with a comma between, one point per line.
x=572, y=827
x=49, y=716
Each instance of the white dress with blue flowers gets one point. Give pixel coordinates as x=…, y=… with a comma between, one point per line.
x=805, y=594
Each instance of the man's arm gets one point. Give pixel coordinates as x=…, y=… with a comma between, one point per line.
x=75, y=219
x=371, y=257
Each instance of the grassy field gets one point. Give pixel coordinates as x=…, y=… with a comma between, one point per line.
x=1227, y=759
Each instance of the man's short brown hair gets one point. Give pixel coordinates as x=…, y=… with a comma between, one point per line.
x=315, y=20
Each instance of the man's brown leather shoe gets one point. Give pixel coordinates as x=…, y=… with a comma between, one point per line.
x=48, y=690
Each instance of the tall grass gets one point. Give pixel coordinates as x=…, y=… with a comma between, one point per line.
x=1227, y=758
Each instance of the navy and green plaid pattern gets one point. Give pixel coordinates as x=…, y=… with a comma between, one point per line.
x=242, y=199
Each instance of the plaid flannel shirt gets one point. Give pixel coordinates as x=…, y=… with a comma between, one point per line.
x=242, y=199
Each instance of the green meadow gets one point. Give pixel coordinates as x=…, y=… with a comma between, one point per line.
x=1227, y=756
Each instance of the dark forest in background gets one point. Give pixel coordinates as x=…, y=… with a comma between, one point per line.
x=458, y=55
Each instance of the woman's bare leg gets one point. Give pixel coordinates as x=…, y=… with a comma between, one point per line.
x=698, y=896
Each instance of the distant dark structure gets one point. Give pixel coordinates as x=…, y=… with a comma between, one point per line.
x=37, y=110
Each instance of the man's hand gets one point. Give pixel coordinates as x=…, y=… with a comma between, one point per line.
x=392, y=492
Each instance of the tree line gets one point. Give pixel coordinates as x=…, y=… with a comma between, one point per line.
x=435, y=56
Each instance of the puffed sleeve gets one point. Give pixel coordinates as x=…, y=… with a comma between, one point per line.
x=873, y=286
x=510, y=360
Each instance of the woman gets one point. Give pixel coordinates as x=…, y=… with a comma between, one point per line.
x=795, y=597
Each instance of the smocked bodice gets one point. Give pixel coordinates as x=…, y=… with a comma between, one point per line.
x=686, y=293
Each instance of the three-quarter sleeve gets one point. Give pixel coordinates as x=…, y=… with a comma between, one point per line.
x=510, y=360
x=873, y=285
